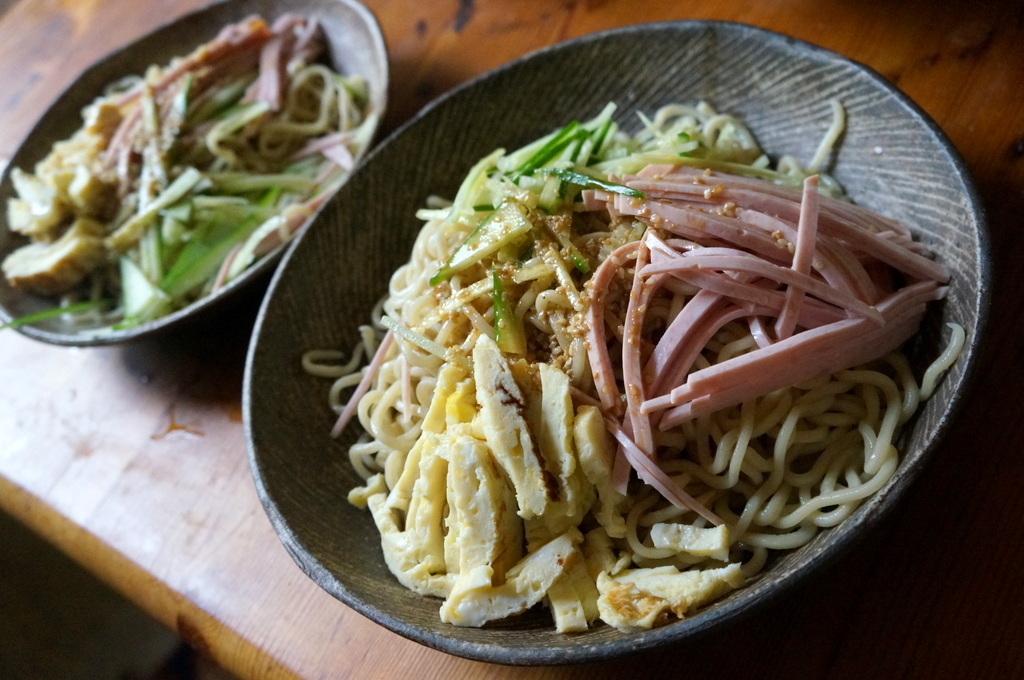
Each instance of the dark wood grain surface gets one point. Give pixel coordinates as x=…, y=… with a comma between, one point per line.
x=132, y=459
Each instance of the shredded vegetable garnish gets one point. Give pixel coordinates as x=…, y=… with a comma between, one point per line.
x=180, y=180
x=624, y=369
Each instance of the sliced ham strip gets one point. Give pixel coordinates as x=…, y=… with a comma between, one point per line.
x=750, y=264
x=246, y=36
x=801, y=357
x=597, y=346
x=814, y=360
x=292, y=36
x=690, y=347
x=235, y=50
x=653, y=475
x=820, y=283
x=696, y=309
x=270, y=85
x=855, y=226
x=639, y=297
x=806, y=235
x=695, y=224
x=364, y=384
x=830, y=206
x=767, y=297
x=334, y=146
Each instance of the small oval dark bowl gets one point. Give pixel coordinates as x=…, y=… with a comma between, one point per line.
x=355, y=46
x=892, y=159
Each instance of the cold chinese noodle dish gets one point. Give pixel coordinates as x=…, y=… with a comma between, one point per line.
x=622, y=370
x=182, y=178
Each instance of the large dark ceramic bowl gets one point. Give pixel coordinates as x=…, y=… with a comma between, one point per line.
x=355, y=47
x=892, y=159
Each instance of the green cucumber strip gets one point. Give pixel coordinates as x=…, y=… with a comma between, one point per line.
x=602, y=133
x=151, y=253
x=469, y=191
x=209, y=242
x=555, y=146
x=129, y=233
x=199, y=260
x=181, y=99
x=418, y=339
x=142, y=299
x=578, y=260
x=244, y=182
x=588, y=182
x=506, y=224
x=509, y=332
x=222, y=99
x=179, y=211
x=54, y=312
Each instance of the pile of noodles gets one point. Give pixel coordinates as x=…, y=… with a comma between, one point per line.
x=775, y=469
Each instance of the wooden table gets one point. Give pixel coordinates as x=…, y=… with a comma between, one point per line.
x=132, y=460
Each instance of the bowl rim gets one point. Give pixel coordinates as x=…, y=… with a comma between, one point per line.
x=259, y=270
x=750, y=598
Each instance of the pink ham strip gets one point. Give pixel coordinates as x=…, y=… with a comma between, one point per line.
x=289, y=31
x=690, y=346
x=830, y=206
x=236, y=45
x=864, y=348
x=248, y=34
x=340, y=156
x=806, y=232
x=364, y=384
x=843, y=220
x=225, y=266
x=855, y=237
x=696, y=309
x=639, y=296
x=595, y=199
x=759, y=332
x=837, y=266
x=693, y=330
x=735, y=260
x=296, y=217
x=845, y=244
x=269, y=86
x=801, y=357
x=694, y=224
x=597, y=346
x=649, y=472
x=307, y=45
x=814, y=313
x=333, y=146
